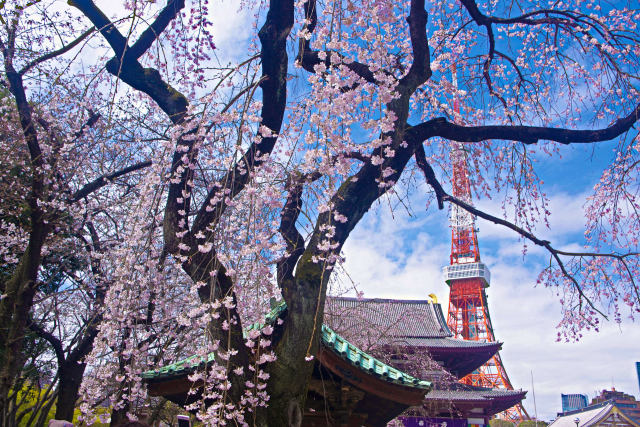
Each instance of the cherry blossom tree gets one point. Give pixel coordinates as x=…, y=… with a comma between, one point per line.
x=262, y=168
x=57, y=160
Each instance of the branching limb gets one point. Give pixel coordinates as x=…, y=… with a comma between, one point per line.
x=309, y=58
x=16, y=87
x=55, y=343
x=576, y=24
x=58, y=52
x=153, y=31
x=420, y=70
x=525, y=134
x=430, y=175
x=292, y=237
x=100, y=182
x=480, y=19
x=273, y=36
x=125, y=63
x=91, y=121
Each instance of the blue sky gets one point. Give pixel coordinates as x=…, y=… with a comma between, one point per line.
x=397, y=255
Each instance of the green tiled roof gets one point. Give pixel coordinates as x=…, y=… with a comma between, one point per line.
x=366, y=362
x=186, y=365
x=270, y=318
x=180, y=367
x=330, y=339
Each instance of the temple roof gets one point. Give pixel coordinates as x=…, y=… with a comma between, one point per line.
x=460, y=391
x=446, y=398
x=366, y=362
x=346, y=382
x=410, y=324
x=180, y=367
x=405, y=323
x=413, y=319
x=605, y=413
x=330, y=340
x=375, y=390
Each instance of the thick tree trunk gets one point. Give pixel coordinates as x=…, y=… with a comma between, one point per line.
x=70, y=380
x=287, y=390
x=14, y=310
x=19, y=290
x=291, y=372
x=118, y=417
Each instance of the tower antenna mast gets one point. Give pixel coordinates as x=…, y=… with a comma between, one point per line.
x=468, y=278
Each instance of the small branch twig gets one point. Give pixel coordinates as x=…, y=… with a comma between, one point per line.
x=103, y=180
x=58, y=52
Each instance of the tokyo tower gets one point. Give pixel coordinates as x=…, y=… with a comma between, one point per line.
x=468, y=279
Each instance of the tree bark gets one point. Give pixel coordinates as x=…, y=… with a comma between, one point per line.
x=14, y=311
x=20, y=289
x=71, y=374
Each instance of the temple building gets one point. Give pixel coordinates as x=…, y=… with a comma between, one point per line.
x=415, y=332
x=605, y=414
x=379, y=360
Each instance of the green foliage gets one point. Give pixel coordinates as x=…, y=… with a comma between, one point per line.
x=29, y=399
x=164, y=411
x=500, y=423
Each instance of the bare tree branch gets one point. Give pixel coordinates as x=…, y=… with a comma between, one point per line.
x=292, y=237
x=309, y=58
x=56, y=344
x=430, y=175
x=125, y=65
x=273, y=82
x=153, y=31
x=525, y=134
x=420, y=70
x=58, y=52
x=103, y=180
x=91, y=121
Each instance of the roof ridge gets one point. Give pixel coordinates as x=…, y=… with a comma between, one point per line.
x=437, y=309
x=356, y=299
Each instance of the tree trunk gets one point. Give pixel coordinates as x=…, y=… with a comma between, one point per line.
x=70, y=380
x=119, y=416
x=287, y=397
x=19, y=291
x=290, y=373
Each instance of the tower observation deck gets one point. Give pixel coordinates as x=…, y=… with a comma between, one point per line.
x=468, y=278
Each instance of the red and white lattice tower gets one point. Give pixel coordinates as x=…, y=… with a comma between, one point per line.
x=468, y=279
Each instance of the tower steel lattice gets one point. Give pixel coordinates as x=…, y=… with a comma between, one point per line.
x=468, y=278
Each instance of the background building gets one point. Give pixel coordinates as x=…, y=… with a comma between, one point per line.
x=572, y=402
x=625, y=402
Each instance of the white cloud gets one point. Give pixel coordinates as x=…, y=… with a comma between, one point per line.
x=389, y=257
x=231, y=28
x=567, y=217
